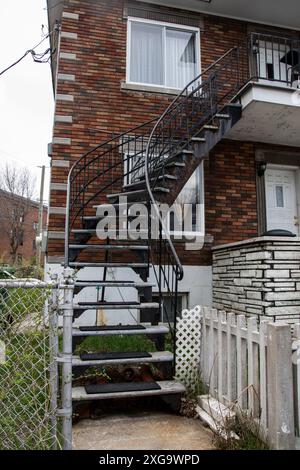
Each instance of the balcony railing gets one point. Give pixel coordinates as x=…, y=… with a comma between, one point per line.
x=275, y=58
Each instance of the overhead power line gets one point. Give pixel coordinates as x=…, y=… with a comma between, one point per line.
x=40, y=58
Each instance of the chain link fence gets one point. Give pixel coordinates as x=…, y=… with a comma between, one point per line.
x=28, y=366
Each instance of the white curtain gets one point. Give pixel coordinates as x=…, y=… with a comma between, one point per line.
x=180, y=58
x=146, y=63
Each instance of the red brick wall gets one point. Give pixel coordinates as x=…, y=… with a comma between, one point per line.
x=100, y=107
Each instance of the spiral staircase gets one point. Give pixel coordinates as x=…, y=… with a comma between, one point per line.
x=149, y=164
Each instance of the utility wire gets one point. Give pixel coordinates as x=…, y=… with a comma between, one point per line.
x=36, y=57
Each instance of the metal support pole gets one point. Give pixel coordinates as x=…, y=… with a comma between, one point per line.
x=53, y=343
x=66, y=411
x=40, y=222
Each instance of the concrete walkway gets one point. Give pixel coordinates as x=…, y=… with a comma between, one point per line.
x=142, y=431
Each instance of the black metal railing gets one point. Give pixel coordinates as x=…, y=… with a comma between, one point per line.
x=275, y=58
x=194, y=107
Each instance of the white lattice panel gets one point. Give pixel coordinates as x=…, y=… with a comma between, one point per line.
x=188, y=347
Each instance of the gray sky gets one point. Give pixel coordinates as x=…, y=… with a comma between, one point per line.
x=26, y=99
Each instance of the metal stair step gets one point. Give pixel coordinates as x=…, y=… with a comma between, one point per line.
x=222, y=116
x=120, y=387
x=122, y=358
x=210, y=127
x=113, y=284
x=117, y=206
x=100, y=356
x=93, y=231
x=115, y=330
x=165, y=388
x=142, y=180
x=175, y=164
x=136, y=194
x=198, y=139
x=96, y=218
x=115, y=305
x=183, y=152
x=109, y=247
x=78, y=264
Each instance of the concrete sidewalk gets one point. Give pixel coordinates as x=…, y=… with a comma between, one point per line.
x=142, y=431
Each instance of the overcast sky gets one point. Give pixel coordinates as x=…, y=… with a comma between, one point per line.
x=26, y=99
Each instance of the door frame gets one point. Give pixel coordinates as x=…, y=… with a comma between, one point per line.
x=296, y=170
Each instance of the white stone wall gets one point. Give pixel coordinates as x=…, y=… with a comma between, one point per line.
x=259, y=276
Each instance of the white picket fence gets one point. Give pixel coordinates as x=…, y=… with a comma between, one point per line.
x=251, y=367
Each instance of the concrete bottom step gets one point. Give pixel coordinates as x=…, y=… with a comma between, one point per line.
x=165, y=388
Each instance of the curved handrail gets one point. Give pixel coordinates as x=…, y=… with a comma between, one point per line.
x=186, y=92
x=91, y=167
x=97, y=147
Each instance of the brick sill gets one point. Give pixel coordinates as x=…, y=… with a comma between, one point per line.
x=149, y=89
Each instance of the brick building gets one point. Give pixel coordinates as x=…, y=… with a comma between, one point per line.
x=29, y=215
x=121, y=63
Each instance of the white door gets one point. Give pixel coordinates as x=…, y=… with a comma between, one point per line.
x=281, y=201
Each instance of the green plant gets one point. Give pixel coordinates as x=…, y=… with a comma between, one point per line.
x=249, y=432
x=24, y=393
x=116, y=343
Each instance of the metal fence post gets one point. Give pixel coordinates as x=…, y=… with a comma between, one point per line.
x=281, y=428
x=67, y=359
x=53, y=343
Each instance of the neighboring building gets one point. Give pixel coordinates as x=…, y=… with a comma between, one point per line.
x=119, y=64
x=18, y=224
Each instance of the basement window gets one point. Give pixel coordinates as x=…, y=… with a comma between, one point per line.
x=188, y=218
x=162, y=54
x=167, y=308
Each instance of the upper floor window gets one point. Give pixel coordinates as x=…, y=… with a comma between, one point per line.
x=161, y=54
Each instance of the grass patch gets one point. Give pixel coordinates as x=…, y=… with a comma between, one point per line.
x=248, y=431
x=24, y=393
x=17, y=303
x=116, y=343
x=139, y=343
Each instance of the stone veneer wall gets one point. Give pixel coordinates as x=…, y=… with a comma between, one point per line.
x=258, y=276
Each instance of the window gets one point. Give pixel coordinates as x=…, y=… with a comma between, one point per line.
x=272, y=63
x=279, y=196
x=167, y=308
x=21, y=238
x=192, y=197
x=162, y=55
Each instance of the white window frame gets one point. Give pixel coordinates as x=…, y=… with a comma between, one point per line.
x=175, y=233
x=164, y=25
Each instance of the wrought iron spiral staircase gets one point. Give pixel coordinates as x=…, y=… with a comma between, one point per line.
x=150, y=164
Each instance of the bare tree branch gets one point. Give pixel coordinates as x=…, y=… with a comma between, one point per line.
x=17, y=187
